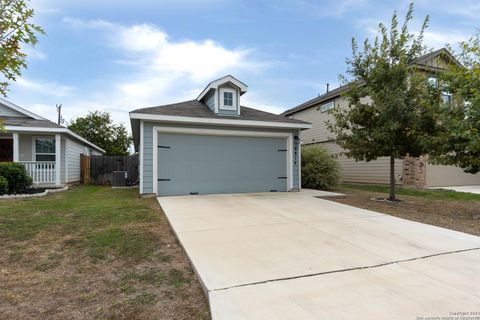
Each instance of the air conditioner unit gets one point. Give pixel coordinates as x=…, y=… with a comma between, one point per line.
x=119, y=178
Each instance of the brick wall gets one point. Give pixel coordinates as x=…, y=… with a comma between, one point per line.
x=414, y=172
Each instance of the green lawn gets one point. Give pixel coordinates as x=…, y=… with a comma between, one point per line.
x=93, y=252
x=429, y=194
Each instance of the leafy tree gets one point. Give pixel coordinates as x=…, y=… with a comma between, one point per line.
x=391, y=107
x=460, y=143
x=16, y=29
x=98, y=128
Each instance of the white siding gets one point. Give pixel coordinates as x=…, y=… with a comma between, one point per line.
x=63, y=159
x=377, y=171
x=443, y=176
x=8, y=112
x=26, y=147
x=73, y=151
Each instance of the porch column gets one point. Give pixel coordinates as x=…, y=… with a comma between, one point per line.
x=16, y=147
x=58, y=158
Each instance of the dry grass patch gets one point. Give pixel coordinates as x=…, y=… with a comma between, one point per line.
x=448, y=209
x=93, y=253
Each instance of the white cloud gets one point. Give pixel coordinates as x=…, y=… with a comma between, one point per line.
x=196, y=60
x=438, y=39
x=433, y=38
x=34, y=53
x=151, y=69
x=45, y=88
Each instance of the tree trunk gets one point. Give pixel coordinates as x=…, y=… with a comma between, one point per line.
x=392, y=178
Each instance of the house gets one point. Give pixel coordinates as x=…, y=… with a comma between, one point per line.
x=409, y=172
x=214, y=144
x=49, y=152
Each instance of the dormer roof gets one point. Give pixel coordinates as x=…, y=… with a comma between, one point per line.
x=221, y=81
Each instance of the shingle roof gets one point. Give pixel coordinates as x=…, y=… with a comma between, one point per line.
x=28, y=122
x=323, y=98
x=198, y=109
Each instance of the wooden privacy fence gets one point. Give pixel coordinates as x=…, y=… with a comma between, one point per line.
x=99, y=169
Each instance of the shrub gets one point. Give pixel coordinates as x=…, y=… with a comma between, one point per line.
x=16, y=176
x=3, y=185
x=320, y=169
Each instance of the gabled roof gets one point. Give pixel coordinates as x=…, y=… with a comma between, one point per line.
x=197, y=109
x=317, y=100
x=35, y=123
x=21, y=110
x=226, y=79
x=421, y=61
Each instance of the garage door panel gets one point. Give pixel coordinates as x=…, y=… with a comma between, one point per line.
x=220, y=164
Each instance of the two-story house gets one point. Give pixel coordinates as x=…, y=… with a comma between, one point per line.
x=409, y=171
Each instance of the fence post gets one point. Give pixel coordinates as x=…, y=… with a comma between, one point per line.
x=84, y=169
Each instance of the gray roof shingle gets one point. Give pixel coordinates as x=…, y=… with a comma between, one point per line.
x=198, y=109
x=28, y=122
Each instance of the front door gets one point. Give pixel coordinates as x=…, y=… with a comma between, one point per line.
x=6, y=150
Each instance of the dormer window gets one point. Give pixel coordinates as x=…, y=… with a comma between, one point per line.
x=223, y=95
x=228, y=99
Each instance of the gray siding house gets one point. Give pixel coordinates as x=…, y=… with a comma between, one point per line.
x=409, y=172
x=213, y=144
x=49, y=152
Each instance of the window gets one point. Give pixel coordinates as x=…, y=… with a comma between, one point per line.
x=446, y=97
x=433, y=81
x=44, y=149
x=228, y=99
x=327, y=106
x=446, y=94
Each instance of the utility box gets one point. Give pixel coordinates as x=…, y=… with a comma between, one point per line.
x=119, y=178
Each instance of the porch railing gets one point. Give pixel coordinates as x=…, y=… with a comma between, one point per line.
x=41, y=172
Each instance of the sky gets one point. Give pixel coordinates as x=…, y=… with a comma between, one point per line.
x=117, y=55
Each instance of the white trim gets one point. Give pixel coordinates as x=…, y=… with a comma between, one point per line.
x=233, y=107
x=10, y=105
x=53, y=131
x=239, y=106
x=218, y=132
x=58, y=159
x=16, y=147
x=290, y=162
x=216, y=121
x=299, y=163
x=67, y=179
x=215, y=84
x=155, y=132
x=141, y=150
x=6, y=137
x=215, y=101
x=34, y=146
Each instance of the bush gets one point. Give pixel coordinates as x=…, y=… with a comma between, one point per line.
x=16, y=176
x=320, y=169
x=3, y=186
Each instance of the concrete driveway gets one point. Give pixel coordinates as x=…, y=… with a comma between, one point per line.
x=470, y=189
x=295, y=256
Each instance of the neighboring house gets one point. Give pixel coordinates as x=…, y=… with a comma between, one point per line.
x=49, y=152
x=417, y=172
x=213, y=144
